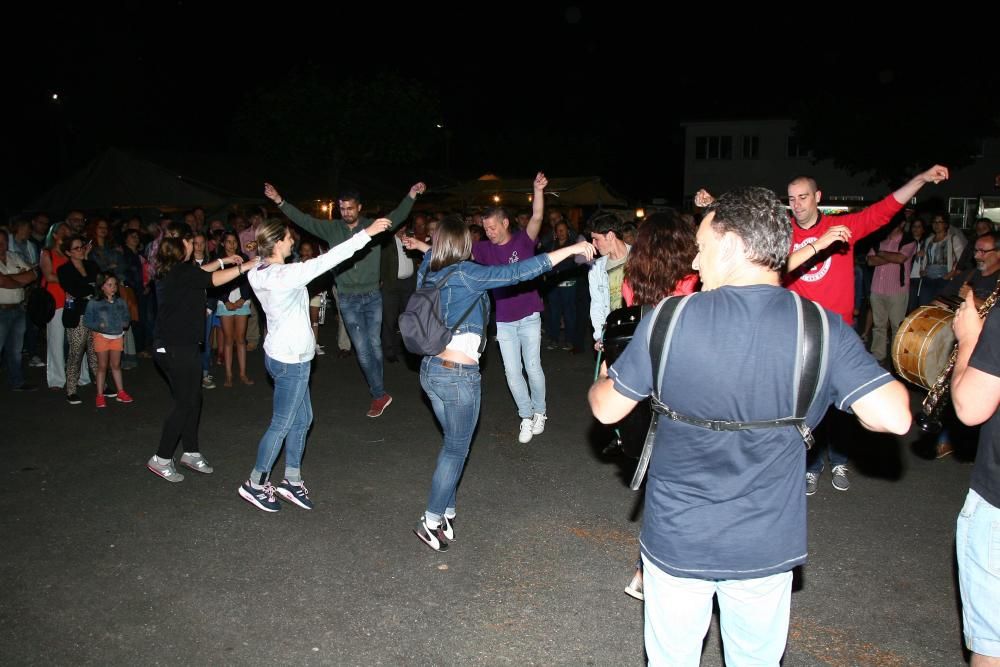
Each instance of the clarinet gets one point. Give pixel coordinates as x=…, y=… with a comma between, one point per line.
x=929, y=419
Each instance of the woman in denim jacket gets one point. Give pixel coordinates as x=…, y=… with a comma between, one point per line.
x=451, y=379
x=107, y=317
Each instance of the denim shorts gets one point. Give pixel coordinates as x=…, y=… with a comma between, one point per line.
x=977, y=542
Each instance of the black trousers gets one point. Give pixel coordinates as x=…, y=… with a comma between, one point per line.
x=394, y=298
x=182, y=367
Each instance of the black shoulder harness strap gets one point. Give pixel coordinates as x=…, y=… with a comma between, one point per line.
x=810, y=371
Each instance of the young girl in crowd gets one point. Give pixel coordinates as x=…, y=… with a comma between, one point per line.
x=107, y=318
x=289, y=349
x=234, y=312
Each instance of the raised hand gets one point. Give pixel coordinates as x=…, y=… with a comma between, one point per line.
x=585, y=249
x=540, y=181
x=417, y=189
x=832, y=235
x=936, y=174
x=272, y=194
x=380, y=225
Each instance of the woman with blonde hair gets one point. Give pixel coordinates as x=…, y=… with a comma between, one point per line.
x=451, y=378
x=289, y=348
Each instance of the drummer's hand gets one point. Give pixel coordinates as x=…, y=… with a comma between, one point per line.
x=598, y=345
x=967, y=323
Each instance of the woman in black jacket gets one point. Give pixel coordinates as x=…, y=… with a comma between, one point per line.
x=179, y=332
x=77, y=277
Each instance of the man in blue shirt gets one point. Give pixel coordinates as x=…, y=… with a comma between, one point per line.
x=725, y=510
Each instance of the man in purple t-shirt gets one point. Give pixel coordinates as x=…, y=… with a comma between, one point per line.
x=519, y=320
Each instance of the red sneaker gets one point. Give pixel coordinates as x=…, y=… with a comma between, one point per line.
x=379, y=405
x=123, y=397
x=100, y=402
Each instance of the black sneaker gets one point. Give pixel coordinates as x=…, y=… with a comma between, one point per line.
x=25, y=387
x=432, y=537
x=73, y=399
x=262, y=499
x=294, y=493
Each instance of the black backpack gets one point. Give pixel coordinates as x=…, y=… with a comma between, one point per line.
x=811, y=358
x=420, y=325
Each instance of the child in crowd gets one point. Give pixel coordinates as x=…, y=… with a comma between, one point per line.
x=107, y=317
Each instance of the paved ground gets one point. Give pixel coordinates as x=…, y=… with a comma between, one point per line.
x=106, y=564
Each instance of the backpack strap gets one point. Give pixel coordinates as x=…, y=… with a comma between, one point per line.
x=439, y=283
x=811, y=360
x=658, y=339
x=811, y=363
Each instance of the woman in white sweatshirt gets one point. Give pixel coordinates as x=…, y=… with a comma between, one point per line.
x=288, y=353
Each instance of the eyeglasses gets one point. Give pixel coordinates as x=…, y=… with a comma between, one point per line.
x=76, y=247
x=982, y=251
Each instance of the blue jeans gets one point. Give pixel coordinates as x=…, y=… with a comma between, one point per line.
x=206, y=347
x=290, y=420
x=362, y=315
x=562, y=305
x=753, y=617
x=977, y=544
x=524, y=337
x=455, y=394
x=12, y=324
x=831, y=432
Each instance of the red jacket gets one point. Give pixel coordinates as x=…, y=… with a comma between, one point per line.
x=828, y=278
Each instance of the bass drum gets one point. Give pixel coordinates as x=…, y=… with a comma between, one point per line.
x=923, y=345
x=618, y=331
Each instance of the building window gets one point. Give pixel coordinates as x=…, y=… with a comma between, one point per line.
x=796, y=149
x=750, y=148
x=713, y=148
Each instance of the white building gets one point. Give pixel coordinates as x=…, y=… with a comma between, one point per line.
x=720, y=155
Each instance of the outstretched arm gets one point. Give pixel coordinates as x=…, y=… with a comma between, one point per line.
x=399, y=214
x=537, y=206
x=935, y=175
x=331, y=233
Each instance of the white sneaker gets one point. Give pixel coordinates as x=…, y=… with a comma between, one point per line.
x=524, y=436
x=35, y=362
x=319, y=350
x=538, y=424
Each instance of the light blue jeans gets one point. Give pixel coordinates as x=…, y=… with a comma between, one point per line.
x=362, y=314
x=290, y=421
x=977, y=544
x=753, y=617
x=455, y=395
x=517, y=339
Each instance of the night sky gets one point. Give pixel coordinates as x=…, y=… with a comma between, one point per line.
x=571, y=90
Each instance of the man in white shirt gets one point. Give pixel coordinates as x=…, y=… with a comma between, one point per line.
x=14, y=275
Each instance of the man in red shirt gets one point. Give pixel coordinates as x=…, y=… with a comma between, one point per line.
x=821, y=268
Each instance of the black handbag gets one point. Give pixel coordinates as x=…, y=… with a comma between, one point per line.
x=73, y=311
x=40, y=306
